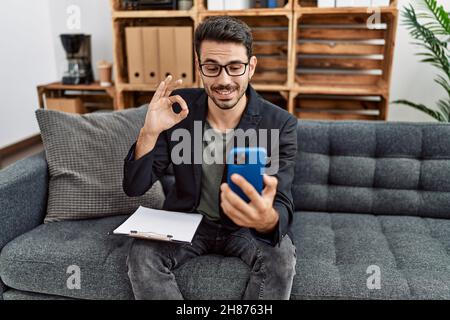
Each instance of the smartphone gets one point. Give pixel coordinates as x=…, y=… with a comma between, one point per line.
x=250, y=164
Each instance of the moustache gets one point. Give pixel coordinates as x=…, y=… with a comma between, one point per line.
x=226, y=88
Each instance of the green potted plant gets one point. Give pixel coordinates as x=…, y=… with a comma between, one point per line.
x=429, y=25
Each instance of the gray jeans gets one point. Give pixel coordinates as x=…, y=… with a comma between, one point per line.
x=150, y=263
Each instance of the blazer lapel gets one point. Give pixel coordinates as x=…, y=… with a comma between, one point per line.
x=251, y=116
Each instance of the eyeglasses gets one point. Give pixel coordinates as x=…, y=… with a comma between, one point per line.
x=232, y=69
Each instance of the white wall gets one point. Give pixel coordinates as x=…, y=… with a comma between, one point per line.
x=33, y=55
x=26, y=60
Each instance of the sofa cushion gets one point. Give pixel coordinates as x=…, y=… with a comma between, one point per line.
x=373, y=168
x=334, y=252
x=38, y=262
x=338, y=252
x=85, y=159
x=13, y=294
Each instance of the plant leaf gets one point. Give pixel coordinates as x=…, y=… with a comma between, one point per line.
x=431, y=112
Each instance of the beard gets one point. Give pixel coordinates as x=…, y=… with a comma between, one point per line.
x=225, y=102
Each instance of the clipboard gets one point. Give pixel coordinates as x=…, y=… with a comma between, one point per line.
x=162, y=225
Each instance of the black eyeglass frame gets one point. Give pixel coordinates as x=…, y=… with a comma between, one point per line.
x=224, y=67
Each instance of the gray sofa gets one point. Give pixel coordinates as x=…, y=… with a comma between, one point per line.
x=368, y=196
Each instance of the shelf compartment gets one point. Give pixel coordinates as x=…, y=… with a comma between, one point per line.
x=283, y=6
x=342, y=89
x=118, y=6
x=313, y=4
x=119, y=25
x=343, y=50
x=339, y=107
x=134, y=98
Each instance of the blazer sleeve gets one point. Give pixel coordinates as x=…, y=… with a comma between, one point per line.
x=140, y=175
x=283, y=202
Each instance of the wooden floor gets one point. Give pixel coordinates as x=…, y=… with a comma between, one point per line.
x=28, y=151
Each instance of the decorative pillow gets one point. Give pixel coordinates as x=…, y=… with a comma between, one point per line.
x=85, y=155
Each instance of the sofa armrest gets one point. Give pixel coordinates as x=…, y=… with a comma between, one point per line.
x=2, y=289
x=23, y=196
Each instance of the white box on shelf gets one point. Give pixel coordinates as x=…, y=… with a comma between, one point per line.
x=216, y=4
x=344, y=3
x=237, y=4
x=353, y=3
x=362, y=3
x=380, y=3
x=326, y=3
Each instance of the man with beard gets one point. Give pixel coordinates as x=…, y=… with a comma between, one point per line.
x=256, y=231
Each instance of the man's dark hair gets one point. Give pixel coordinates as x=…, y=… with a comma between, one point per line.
x=224, y=29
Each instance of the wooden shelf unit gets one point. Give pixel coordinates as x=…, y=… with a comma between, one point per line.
x=315, y=58
x=339, y=53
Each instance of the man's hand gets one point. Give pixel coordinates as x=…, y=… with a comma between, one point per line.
x=259, y=213
x=160, y=116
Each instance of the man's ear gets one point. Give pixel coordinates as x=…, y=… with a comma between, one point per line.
x=252, y=66
x=197, y=64
x=197, y=68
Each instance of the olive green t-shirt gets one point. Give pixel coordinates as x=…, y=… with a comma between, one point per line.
x=214, y=148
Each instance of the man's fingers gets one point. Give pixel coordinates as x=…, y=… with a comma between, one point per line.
x=184, y=108
x=158, y=92
x=236, y=201
x=250, y=191
x=173, y=86
x=180, y=100
x=164, y=90
x=271, y=184
x=168, y=82
x=234, y=214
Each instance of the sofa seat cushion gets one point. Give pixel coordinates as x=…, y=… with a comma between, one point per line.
x=13, y=294
x=334, y=252
x=339, y=253
x=38, y=262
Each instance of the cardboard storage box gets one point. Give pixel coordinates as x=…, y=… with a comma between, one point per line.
x=72, y=105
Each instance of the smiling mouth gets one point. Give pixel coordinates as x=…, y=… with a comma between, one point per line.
x=224, y=94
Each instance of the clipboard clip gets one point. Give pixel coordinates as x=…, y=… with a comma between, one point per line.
x=151, y=235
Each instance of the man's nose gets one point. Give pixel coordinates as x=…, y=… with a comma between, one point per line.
x=223, y=77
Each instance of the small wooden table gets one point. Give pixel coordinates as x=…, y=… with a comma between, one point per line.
x=88, y=93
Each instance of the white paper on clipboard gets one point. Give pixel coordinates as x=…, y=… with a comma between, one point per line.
x=161, y=225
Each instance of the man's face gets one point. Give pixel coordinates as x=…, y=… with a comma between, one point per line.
x=225, y=90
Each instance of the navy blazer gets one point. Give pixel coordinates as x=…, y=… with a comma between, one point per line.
x=141, y=174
